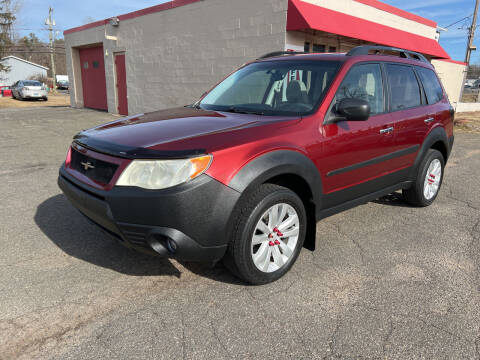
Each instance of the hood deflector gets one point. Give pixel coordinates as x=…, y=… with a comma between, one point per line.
x=129, y=152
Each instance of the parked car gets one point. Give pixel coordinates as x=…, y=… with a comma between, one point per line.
x=29, y=89
x=63, y=84
x=5, y=91
x=244, y=173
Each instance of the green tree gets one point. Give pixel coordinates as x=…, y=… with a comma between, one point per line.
x=7, y=18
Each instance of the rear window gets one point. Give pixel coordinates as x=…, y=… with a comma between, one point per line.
x=32, y=83
x=404, y=88
x=431, y=85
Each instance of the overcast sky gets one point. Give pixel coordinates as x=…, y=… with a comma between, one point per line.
x=71, y=13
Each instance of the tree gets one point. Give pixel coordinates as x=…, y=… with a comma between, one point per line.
x=7, y=18
x=29, y=43
x=473, y=72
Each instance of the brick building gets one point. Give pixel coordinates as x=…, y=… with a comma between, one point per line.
x=169, y=54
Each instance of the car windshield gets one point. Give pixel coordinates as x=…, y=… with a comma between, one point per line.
x=293, y=87
x=32, y=83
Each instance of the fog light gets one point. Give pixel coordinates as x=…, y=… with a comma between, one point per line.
x=171, y=246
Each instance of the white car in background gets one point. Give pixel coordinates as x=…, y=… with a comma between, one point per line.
x=29, y=89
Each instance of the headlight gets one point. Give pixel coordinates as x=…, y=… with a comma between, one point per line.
x=161, y=174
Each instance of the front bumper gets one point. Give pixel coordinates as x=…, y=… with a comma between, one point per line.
x=188, y=222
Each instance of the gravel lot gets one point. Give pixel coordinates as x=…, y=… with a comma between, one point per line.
x=386, y=281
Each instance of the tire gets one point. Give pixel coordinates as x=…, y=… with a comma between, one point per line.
x=45, y=98
x=280, y=250
x=428, y=181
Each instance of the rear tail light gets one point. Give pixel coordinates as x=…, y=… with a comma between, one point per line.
x=68, y=160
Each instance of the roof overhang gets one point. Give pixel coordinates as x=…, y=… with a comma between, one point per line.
x=305, y=16
x=25, y=61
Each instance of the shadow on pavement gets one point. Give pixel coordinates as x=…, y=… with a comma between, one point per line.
x=394, y=199
x=77, y=237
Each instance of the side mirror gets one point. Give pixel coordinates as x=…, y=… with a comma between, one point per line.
x=354, y=109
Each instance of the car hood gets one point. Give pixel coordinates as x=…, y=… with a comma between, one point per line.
x=158, y=134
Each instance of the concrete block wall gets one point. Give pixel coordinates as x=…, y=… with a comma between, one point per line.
x=174, y=56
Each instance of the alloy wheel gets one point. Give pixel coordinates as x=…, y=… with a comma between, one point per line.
x=275, y=238
x=432, y=179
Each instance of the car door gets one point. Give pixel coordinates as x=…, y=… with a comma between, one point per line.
x=354, y=152
x=409, y=112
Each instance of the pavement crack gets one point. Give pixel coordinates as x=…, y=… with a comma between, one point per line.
x=360, y=249
x=220, y=342
x=452, y=197
x=333, y=342
x=387, y=338
x=477, y=347
x=184, y=349
x=475, y=233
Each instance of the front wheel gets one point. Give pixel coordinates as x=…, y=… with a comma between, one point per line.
x=428, y=182
x=269, y=235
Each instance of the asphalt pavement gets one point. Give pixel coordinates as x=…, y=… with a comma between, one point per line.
x=387, y=281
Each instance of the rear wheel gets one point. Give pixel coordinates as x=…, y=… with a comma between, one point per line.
x=428, y=182
x=268, y=236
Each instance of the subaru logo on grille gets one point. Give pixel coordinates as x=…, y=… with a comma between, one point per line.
x=87, y=165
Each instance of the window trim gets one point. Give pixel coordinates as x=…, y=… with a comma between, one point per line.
x=386, y=100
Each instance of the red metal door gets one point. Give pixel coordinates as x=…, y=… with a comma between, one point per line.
x=93, y=78
x=121, y=84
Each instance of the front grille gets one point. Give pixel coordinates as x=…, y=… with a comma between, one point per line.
x=97, y=170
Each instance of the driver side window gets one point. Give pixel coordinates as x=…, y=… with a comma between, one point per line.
x=364, y=82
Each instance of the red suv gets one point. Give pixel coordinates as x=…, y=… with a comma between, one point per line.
x=245, y=173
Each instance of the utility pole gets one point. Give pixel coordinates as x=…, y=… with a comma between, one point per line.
x=50, y=22
x=471, y=34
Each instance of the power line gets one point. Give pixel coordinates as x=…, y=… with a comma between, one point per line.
x=456, y=22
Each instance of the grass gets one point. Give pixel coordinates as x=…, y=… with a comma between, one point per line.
x=468, y=122
x=53, y=100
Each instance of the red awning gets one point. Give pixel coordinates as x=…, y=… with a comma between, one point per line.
x=303, y=16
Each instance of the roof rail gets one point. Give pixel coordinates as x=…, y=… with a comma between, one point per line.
x=281, y=53
x=366, y=49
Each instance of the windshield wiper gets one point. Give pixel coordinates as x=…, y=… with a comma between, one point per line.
x=233, y=109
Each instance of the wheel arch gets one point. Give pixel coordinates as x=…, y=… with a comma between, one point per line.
x=437, y=139
x=290, y=169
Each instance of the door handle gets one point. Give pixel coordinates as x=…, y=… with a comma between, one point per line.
x=429, y=120
x=387, y=130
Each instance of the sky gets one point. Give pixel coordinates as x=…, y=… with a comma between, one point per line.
x=72, y=13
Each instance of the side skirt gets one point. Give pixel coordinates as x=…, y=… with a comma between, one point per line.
x=324, y=213
x=341, y=200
